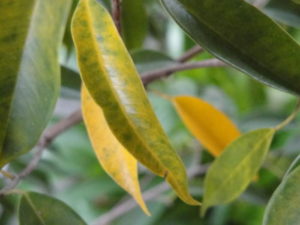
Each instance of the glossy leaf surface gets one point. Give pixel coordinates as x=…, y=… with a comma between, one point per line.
x=209, y=125
x=242, y=36
x=113, y=157
x=40, y=209
x=112, y=80
x=31, y=32
x=283, y=207
x=235, y=168
x=284, y=11
x=134, y=23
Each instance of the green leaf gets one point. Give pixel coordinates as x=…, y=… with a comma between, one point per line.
x=70, y=78
x=242, y=36
x=283, y=207
x=31, y=32
x=39, y=209
x=284, y=11
x=134, y=22
x=235, y=168
x=112, y=80
x=148, y=60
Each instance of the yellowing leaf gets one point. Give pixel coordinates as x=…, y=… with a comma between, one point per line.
x=113, y=157
x=234, y=169
x=209, y=125
x=112, y=80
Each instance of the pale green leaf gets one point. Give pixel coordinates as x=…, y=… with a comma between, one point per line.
x=235, y=168
x=283, y=207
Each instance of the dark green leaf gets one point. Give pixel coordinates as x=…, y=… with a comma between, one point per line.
x=70, y=78
x=242, y=36
x=134, y=23
x=31, y=32
x=39, y=209
x=234, y=169
x=285, y=11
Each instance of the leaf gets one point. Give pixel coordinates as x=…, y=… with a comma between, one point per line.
x=285, y=11
x=31, y=32
x=240, y=35
x=39, y=209
x=149, y=60
x=70, y=78
x=134, y=23
x=113, y=157
x=235, y=168
x=209, y=125
x=283, y=207
x=112, y=80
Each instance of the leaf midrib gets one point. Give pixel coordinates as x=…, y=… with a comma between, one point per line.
x=34, y=209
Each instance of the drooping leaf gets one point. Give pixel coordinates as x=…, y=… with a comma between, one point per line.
x=112, y=80
x=209, y=125
x=40, y=209
x=285, y=11
x=235, y=168
x=134, y=23
x=149, y=60
x=113, y=157
x=31, y=32
x=283, y=207
x=242, y=36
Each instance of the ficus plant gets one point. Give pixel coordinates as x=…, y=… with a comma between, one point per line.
x=112, y=57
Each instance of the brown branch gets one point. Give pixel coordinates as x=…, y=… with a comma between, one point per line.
x=116, y=13
x=165, y=72
x=148, y=195
x=190, y=54
x=48, y=136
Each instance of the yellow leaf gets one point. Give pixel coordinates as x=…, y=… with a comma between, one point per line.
x=209, y=125
x=112, y=80
x=113, y=157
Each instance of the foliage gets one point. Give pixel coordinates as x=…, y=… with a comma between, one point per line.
x=162, y=90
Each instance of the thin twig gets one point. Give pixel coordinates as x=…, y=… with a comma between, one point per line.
x=116, y=13
x=290, y=118
x=148, y=195
x=165, y=72
x=190, y=54
x=48, y=136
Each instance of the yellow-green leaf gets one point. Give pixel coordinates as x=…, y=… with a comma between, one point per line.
x=31, y=32
x=209, y=125
x=113, y=157
x=235, y=168
x=112, y=80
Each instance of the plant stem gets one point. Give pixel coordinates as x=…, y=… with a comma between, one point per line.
x=289, y=118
